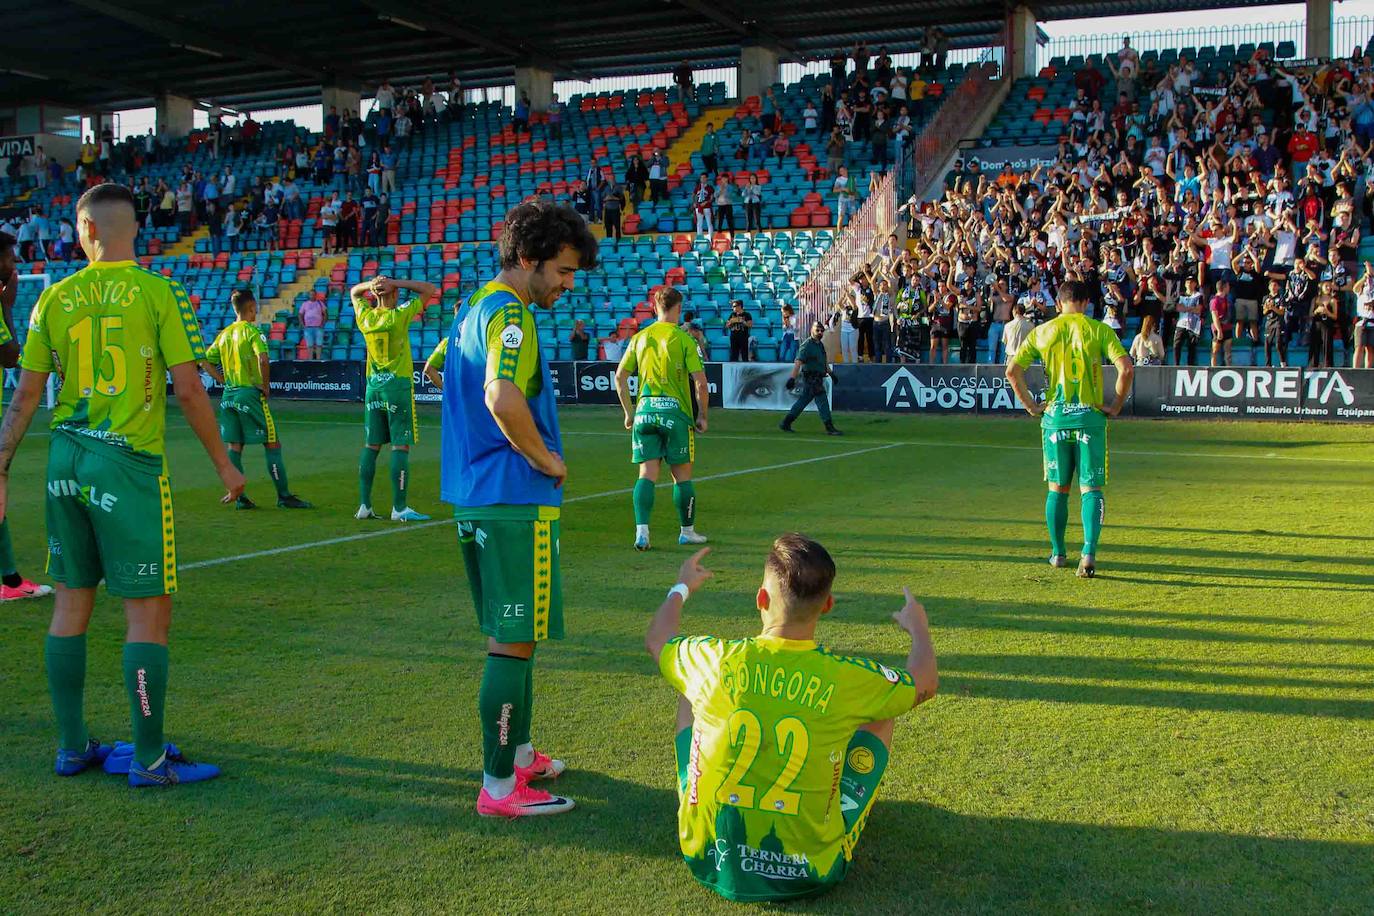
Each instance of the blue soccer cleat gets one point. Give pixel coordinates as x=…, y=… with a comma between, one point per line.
x=70, y=763
x=641, y=542
x=690, y=536
x=408, y=515
x=120, y=759
x=169, y=772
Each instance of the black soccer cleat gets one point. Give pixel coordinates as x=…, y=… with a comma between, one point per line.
x=291, y=501
x=245, y=503
x=785, y=426
x=832, y=431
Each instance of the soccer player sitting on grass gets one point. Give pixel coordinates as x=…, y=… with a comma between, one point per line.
x=238, y=360
x=112, y=331
x=13, y=587
x=390, y=408
x=1073, y=419
x=666, y=360
x=781, y=743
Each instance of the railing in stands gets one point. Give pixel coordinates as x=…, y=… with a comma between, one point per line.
x=951, y=123
x=876, y=218
x=1347, y=33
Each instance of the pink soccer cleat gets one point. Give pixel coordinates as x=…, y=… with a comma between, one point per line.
x=523, y=802
x=542, y=767
x=25, y=589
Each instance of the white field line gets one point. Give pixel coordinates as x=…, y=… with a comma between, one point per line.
x=936, y=443
x=401, y=529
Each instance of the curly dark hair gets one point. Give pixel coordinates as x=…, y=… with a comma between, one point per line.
x=537, y=230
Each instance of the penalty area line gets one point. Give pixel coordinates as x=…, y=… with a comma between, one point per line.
x=402, y=529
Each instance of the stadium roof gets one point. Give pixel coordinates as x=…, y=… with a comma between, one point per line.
x=115, y=54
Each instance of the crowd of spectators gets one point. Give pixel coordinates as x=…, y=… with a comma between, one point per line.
x=1223, y=211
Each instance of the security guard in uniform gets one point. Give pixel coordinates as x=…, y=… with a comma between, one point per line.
x=811, y=364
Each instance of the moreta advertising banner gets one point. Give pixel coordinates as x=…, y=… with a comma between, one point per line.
x=1234, y=393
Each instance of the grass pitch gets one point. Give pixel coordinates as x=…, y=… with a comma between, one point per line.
x=1190, y=732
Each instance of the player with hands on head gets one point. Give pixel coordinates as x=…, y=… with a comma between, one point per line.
x=1073, y=418
x=672, y=391
x=781, y=744
x=389, y=412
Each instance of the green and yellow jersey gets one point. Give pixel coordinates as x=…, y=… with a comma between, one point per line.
x=5, y=337
x=1072, y=348
x=111, y=330
x=512, y=340
x=664, y=356
x=236, y=349
x=386, y=332
x=439, y=356
x=759, y=814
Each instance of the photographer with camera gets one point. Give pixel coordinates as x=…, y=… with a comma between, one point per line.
x=813, y=368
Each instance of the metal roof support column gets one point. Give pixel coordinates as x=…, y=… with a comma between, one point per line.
x=1022, y=32
x=1319, y=28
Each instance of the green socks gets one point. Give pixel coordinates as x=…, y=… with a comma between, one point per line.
x=7, y=566
x=499, y=702
x=145, y=680
x=236, y=459
x=367, y=471
x=400, y=478
x=1094, y=511
x=1056, y=520
x=520, y=731
x=65, y=657
x=276, y=469
x=685, y=498
x=643, y=500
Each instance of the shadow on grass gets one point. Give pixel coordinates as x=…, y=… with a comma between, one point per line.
x=916, y=856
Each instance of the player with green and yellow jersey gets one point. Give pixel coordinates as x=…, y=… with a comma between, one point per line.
x=663, y=422
x=389, y=414
x=434, y=366
x=112, y=331
x=781, y=744
x=238, y=361
x=1073, y=419
x=13, y=586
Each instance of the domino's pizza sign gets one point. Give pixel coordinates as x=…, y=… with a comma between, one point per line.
x=17, y=146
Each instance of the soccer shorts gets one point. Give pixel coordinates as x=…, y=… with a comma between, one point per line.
x=1080, y=451
x=865, y=761
x=245, y=418
x=512, y=567
x=109, y=513
x=667, y=434
x=390, y=412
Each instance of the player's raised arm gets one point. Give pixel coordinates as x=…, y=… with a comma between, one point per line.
x=426, y=293
x=920, y=661
x=668, y=618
